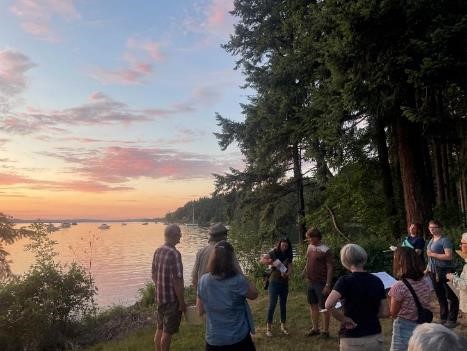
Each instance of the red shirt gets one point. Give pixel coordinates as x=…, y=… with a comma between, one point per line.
x=318, y=257
x=166, y=265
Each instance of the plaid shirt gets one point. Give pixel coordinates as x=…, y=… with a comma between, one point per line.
x=166, y=265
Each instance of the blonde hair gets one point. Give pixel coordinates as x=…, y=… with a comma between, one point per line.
x=353, y=255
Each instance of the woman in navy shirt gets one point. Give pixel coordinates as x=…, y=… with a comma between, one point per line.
x=415, y=240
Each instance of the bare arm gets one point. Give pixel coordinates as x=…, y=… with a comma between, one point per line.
x=265, y=259
x=330, y=304
x=252, y=293
x=394, y=307
x=383, y=309
x=179, y=290
x=200, y=306
x=446, y=256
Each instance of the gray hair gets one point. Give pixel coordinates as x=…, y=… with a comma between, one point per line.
x=435, y=337
x=353, y=255
x=464, y=236
x=171, y=230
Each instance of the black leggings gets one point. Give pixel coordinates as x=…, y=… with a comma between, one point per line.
x=244, y=345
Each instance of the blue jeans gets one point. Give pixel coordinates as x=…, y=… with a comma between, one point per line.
x=281, y=291
x=402, y=330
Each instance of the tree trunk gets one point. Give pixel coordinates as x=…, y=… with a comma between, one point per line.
x=462, y=162
x=298, y=177
x=383, y=160
x=413, y=172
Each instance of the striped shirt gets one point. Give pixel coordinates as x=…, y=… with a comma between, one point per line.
x=166, y=265
x=400, y=293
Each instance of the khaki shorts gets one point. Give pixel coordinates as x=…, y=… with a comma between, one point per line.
x=169, y=317
x=364, y=343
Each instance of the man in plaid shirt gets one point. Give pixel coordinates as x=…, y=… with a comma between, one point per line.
x=167, y=274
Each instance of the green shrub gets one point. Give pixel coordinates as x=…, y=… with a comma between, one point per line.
x=38, y=310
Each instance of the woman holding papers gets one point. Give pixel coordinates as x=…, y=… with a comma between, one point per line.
x=364, y=300
x=415, y=240
x=222, y=295
x=403, y=307
x=280, y=260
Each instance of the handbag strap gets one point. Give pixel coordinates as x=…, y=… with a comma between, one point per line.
x=415, y=297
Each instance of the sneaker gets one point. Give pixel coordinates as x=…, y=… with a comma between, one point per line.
x=324, y=335
x=268, y=333
x=284, y=330
x=451, y=324
x=313, y=332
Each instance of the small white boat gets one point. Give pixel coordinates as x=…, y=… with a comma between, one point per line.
x=66, y=225
x=103, y=226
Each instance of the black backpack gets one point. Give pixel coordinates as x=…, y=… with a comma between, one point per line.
x=424, y=314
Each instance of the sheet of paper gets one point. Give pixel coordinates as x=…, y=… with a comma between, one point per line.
x=387, y=279
x=280, y=266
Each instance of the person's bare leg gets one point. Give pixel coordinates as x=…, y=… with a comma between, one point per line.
x=314, y=312
x=157, y=339
x=165, y=341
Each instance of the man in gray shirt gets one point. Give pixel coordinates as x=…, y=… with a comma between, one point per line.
x=217, y=232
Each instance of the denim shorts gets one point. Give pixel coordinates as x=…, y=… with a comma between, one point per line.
x=401, y=332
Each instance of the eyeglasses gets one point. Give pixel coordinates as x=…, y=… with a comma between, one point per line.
x=461, y=243
x=433, y=227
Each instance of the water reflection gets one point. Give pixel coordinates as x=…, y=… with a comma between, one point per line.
x=119, y=258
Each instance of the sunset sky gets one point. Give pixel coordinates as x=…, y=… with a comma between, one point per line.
x=107, y=106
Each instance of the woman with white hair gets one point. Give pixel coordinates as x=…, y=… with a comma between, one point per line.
x=435, y=337
x=364, y=302
x=460, y=282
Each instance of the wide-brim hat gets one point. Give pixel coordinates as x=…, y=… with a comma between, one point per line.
x=217, y=230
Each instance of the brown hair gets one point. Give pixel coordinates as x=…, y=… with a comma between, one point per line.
x=314, y=232
x=407, y=264
x=221, y=261
x=435, y=222
x=418, y=229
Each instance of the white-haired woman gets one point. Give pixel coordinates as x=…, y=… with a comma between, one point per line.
x=435, y=337
x=364, y=300
x=460, y=282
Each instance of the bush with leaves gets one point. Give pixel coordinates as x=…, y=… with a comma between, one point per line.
x=39, y=309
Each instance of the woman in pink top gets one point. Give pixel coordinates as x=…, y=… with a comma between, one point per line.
x=403, y=309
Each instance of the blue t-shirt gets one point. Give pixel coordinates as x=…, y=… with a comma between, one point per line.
x=438, y=247
x=362, y=293
x=225, y=307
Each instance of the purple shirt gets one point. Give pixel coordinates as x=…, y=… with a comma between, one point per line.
x=166, y=265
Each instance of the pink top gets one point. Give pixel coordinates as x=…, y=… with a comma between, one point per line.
x=423, y=288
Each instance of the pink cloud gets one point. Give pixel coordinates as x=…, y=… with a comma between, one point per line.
x=35, y=16
x=150, y=47
x=136, y=69
x=136, y=73
x=78, y=185
x=217, y=15
x=13, y=68
x=120, y=164
x=99, y=110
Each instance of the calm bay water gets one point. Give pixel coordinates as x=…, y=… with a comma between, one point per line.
x=119, y=258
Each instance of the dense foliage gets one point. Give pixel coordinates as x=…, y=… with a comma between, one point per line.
x=358, y=122
x=40, y=309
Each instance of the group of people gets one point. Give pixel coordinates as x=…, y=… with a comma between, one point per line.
x=223, y=290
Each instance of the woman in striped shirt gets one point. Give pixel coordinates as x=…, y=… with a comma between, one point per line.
x=407, y=266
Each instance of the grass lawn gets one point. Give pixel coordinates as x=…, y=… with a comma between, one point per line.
x=191, y=337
